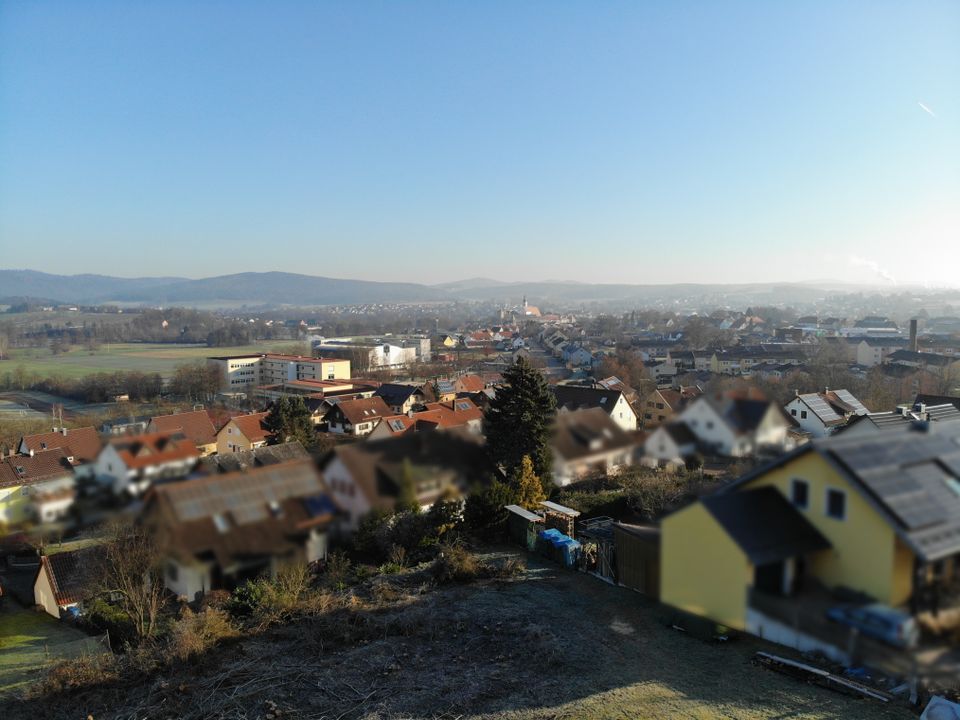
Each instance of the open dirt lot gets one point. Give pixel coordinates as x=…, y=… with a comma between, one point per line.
x=552, y=644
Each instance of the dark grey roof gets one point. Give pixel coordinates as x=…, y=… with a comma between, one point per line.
x=914, y=476
x=884, y=341
x=923, y=358
x=942, y=413
x=764, y=525
x=583, y=433
x=680, y=433
x=267, y=455
x=395, y=393
x=903, y=473
x=573, y=397
x=936, y=400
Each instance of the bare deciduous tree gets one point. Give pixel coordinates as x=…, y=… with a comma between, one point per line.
x=131, y=572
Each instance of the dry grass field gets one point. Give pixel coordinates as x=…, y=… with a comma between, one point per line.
x=550, y=644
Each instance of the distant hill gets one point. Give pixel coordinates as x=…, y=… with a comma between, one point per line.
x=85, y=289
x=259, y=288
x=755, y=293
x=280, y=288
x=470, y=284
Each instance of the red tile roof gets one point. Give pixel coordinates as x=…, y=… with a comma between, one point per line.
x=363, y=409
x=252, y=427
x=68, y=574
x=456, y=413
x=469, y=384
x=82, y=444
x=41, y=466
x=139, y=451
x=195, y=426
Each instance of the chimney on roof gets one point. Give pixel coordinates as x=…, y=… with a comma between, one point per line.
x=31, y=452
x=913, y=334
x=64, y=431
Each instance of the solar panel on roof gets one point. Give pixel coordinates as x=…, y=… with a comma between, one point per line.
x=849, y=399
x=820, y=408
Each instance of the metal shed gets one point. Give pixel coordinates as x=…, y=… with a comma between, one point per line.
x=599, y=553
x=637, y=550
x=523, y=526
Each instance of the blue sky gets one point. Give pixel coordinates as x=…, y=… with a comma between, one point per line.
x=594, y=141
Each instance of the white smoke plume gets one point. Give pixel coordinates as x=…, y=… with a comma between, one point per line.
x=874, y=266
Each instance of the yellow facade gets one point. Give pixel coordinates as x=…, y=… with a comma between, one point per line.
x=14, y=502
x=230, y=439
x=703, y=571
x=866, y=553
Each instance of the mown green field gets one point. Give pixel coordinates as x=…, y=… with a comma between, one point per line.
x=142, y=357
x=29, y=640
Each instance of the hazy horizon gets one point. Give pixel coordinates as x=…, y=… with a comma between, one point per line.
x=736, y=143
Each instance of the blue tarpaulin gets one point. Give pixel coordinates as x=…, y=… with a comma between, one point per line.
x=565, y=549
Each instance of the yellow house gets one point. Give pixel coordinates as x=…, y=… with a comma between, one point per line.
x=243, y=432
x=35, y=487
x=879, y=515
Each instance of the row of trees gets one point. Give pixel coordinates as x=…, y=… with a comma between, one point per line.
x=173, y=325
x=190, y=381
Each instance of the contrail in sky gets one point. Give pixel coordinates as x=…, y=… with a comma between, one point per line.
x=926, y=109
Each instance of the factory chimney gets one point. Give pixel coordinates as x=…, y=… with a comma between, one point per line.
x=913, y=334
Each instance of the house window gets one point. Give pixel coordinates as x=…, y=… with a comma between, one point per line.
x=800, y=493
x=172, y=572
x=709, y=424
x=836, y=504
x=793, y=412
x=803, y=414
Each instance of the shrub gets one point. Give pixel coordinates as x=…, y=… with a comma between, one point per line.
x=195, y=633
x=219, y=599
x=389, y=568
x=268, y=601
x=105, y=617
x=397, y=555
x=79, y=672
x=510, y=567
x=247, y=598
x=368, y=538
x=455, y=563
x=483, y=513
x=337, y=570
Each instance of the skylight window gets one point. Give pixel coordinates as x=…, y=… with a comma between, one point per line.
x=221, y=523
x=954, y=485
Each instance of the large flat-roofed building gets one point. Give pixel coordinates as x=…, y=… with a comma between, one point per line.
x=372, y=352
x=283, y=368
x=242, y=373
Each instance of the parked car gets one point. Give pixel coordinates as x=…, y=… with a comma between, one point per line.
x=884, y=623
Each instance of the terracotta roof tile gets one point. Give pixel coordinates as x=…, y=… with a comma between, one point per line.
x=82, y=444
x=252, y=427
x=27, y=470
x=195, y=426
